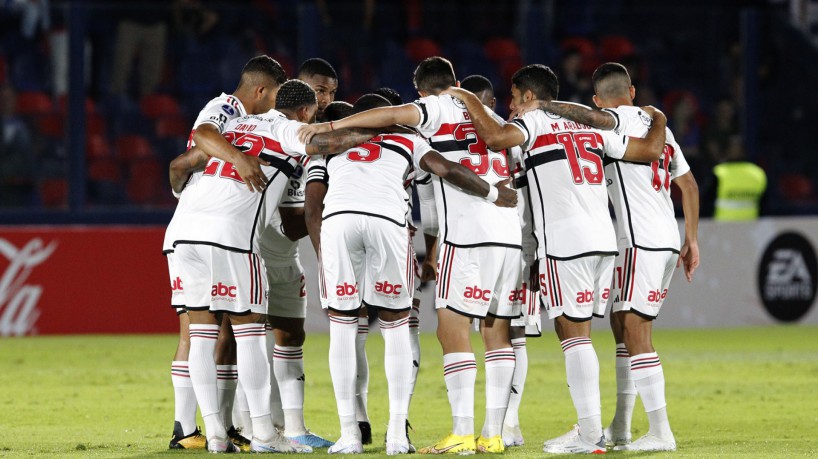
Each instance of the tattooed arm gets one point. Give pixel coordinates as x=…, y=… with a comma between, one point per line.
x=185, y=164
x=339, y=140
x=574, y=112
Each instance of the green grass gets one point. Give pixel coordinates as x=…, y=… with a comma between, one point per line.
x=731, y=393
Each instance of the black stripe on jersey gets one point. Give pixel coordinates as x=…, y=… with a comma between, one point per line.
x=424, y=116
x=521, y=123
x=626, y=275
x=581, y=255
x=627, y=204
x=402, y=225
x=214, y=244
x=484, y=244
x=445, y=211
x=615, y=115
x=281, y=164
x=544, y=242
x=642, y=314
x=451, y=145
x=385, y=308
x=489, y=314
x=397, y=150
x=609, y=160
x=424, y=181
x=166, y=252
x=657, y=249
x=473, y=316
x=543, y=158
x=521, y=182
x=264, y=194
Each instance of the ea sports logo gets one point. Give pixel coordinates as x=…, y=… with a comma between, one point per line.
x=223, y=290
x=477, y=293
x=787, y=277
x=388, y=289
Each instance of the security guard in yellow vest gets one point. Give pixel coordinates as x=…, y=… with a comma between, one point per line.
x=740, y=186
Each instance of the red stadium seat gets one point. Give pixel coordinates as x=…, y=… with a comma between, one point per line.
x=133, y=147
x=52, y=125
x=582, y=45
x=104, y=169
x=54, y=193
x=614, y=47
x=501, y=49
x=97, y=147
x=172, y=126
x=146, y=182
x=34, y=103
x=795, y=187
x=94, y=125
x=421, y=48
x=90, y=106
x=156, y=105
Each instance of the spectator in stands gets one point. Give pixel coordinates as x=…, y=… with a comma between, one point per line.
x=574, y=87
x=142, y=31
x=683, y=119
x=722, y=128
x=192, y=19
x=17, y=175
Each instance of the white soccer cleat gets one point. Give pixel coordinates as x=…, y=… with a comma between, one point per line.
x=347, y=446
x=219, y=445
x=617, y=439
x=566, y=437
x=398, y=447
x=577, y=445
x=279, y=444
x=649, y=442
x=512, y=436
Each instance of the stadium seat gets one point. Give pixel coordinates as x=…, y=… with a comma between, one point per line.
x=172, y=126
x=133, y=147
x=146, y=182
x=421, y=48
x=795, y=187
x=34, y=103
x=501, y=49
x=156, y=105
x=62, y=104
x=104, y=169
x=97, y=147
x=580, y=44
x=95, y=125
x=51, y=125
x=613, y=48
x=3, y=69
x=54, y=193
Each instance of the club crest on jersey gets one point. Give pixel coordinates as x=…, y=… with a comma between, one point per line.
x=552, y=116
x=458, y=103
x=646, y=120
x=228, y=109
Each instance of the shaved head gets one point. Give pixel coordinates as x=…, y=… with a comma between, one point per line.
x=611, y=80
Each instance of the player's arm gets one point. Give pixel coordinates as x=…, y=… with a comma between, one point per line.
x=650, y=148
x=598, y=119
x=428, y=216
x=337, y=140
x=211, y=141
x=381, y=117
x=185, y=164
x=496, y=135
x=464, y=178
x=293, y=222
x=689, y=256
x=314, y=194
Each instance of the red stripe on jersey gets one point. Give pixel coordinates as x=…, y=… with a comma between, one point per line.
x=544, y=141
x=447, y=129
x=401, y=140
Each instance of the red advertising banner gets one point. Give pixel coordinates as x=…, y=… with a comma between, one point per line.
x=83, y=279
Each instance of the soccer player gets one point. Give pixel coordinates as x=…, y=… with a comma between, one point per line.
x=258, y=85
x=473, y=233
x=649, y=252
x=530, y=319
x=321, y=77
x=575, y=235
x=217, y=245
x=366, y=256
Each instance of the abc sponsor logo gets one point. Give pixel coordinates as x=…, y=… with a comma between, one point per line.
x=176, y=284
x=586, y=297
x=346, y=291
x=518, y=295
x=787, y=277
x=223, y=292
x=385, y=288
x=477, y=295
x=656, y=297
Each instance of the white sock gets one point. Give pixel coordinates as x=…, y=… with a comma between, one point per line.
x=228, y=378
x=342, y=368
x=275, y=395
x=254, y=374
x=414, y=337
x=499, y=371
x=460, y=371
x=362, y=365
x=397, y=362
x=517, y=382
x=625, y=394
x=184, y=396
x=649, y=378
x=202, y=366
x=241, y=413
x=289, y=371
x=582, y=371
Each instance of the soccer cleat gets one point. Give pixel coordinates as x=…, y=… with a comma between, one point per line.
x=512, y=436
x=221, y=445
x=346, y=446
x=568, y=436
x=612, y=440
x=194, y=440
x=649, y=442
x=398, y=447
x=452, y=444
x=490, y=445
x=279, y=444
x=310, y=439
x=366, y=432
x=412, y=449
x=577, y=445
x=237, y=439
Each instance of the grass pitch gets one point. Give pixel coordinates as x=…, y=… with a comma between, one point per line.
x=731, y=393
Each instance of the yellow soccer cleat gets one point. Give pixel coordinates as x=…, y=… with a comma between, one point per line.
x=452, y=444
x=194, y=440
x=490, y=445
x=238, y=440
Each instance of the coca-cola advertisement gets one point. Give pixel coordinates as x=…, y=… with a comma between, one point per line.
x=78, y=279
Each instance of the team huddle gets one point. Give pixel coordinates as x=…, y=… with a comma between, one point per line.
x=515, y=217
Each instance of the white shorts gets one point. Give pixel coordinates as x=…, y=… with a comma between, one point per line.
x=641, y=279
x=529, y=298
x=288, y=292
x=365, y=259
x=177, y=291
x=222, y=281
x=577, y=288
x=479, y=281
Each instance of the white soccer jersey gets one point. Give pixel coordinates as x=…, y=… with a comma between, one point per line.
x=217, y=112
x=277, y=250
x=222, y=211
x=370, y=179
x=640, y=192
x=466, y=220
x=566, y=183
